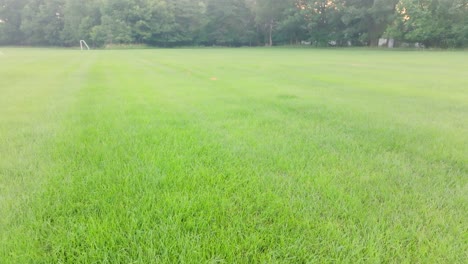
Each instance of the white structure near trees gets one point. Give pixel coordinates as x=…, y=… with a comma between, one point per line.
x=383, y=42
x=84, y=44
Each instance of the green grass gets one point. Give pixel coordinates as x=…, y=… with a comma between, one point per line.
x=233, y=155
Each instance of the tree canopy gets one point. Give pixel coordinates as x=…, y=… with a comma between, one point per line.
x=433, y=23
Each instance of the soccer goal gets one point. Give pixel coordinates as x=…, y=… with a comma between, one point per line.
x=83, y=45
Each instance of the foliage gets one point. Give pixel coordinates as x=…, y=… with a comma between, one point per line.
x=440, y=23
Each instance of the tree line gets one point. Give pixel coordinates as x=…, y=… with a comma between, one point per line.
x=433, y=23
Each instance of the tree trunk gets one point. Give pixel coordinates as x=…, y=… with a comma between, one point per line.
x=374, y=35
x=270, y=39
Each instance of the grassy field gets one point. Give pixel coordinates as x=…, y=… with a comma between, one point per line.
x=233, y=155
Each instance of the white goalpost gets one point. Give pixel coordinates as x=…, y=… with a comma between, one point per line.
x=83, y=44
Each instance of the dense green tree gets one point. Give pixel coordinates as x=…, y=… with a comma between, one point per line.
x=324, y=23
x=117, y=20
x=434, y=23
x=367, y=20
x=79, y=19
x=269, y=14
x=10, y=21
x=442, y=23
x=293, y=28
x=160, y=24
x=185, y=23
x=42, y=22
x=229, y=23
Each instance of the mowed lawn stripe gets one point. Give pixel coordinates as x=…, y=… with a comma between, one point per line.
x=35, y=95
x=184, y=156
